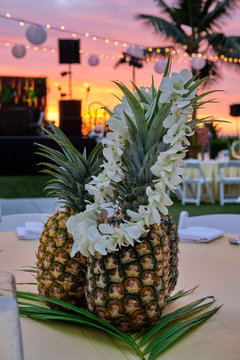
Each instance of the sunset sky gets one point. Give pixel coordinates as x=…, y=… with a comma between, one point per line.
x=107, y=19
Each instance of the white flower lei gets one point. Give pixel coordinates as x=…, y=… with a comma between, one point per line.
x=88, y=238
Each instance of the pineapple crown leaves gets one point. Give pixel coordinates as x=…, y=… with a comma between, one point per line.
x=70, y=170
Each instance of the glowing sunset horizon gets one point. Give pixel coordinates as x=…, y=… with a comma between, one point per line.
x=111, y=27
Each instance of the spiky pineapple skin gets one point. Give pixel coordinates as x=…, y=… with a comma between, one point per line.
x=130, y=287
x=59, y=275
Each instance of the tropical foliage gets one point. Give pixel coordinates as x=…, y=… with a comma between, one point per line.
x=148, y=344
x=196, y=26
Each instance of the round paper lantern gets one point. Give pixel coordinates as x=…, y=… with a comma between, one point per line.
x=36, y=34
x=135, y=51
x=159, y=66
x=93, y=60
x=197, y=62
x=18, y=51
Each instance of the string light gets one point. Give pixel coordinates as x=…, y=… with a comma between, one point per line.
x=108, y=40
x=63, y=28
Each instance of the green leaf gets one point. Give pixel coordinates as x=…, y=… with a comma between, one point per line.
x=153, y=88
x=142, y=97
x=196, y=98
x=194, y=122
x=186, y=85
x=159, y=337
x=156, y=129
x=131, y=126
x=168, y=67
x=136, y=110
x=164, y=320
x=180, y=294
x=196, y=85
x=172, y=334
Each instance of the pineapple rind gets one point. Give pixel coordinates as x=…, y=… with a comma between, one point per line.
x=130, y=287
x=59, y=275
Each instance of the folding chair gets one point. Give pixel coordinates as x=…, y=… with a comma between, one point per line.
x=228, y=223
x=224, y=179
x=194, y=184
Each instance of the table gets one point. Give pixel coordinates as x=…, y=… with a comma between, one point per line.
x=210, y=170
x=215, y=266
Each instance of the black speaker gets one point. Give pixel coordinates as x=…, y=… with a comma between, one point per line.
x=235, y=110
x=69, y=108
x=69, y=51
x=71, y=126
x=70, y=121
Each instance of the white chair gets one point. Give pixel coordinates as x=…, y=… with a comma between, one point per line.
x=228, y=180
x=194, y=184
x=10, y=222
x=228, y=223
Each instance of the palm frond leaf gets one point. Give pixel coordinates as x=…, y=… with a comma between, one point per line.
x=164, y=27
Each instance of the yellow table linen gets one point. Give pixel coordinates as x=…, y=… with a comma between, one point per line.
x=210, y=170
x=215, y=266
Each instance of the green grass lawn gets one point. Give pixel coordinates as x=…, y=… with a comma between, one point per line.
x=12, y=187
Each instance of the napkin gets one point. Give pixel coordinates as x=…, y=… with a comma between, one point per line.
x=30, y=231
x=199, y=234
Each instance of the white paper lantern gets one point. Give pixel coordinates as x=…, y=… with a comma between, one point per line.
x=159, y=66
x=18, y=51
x=135, y=51
x=93, y=60
x=198, y=62
x=36, y=34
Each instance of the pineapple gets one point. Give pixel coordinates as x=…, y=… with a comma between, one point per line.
x=129, y=286
x=132, y=256
x=59, y=275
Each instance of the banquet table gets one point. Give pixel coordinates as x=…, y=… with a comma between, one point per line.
x=215, y=266
x=210, y=170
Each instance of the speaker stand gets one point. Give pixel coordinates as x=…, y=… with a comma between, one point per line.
x=70, y=81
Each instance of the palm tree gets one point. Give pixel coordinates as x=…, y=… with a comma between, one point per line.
x=196, y=26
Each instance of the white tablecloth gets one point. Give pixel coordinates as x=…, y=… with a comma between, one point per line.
x=215, y=266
